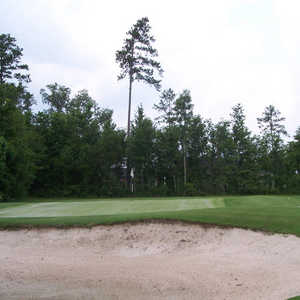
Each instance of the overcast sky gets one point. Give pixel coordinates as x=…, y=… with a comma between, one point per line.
x=223, y=51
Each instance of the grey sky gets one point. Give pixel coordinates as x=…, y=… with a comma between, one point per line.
x=224, y=51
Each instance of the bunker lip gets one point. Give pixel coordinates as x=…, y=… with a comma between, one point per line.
x=148, y=260
x=168, y=221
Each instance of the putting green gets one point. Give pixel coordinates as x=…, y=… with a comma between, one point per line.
x=108, y=207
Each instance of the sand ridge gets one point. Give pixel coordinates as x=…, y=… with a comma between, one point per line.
x=148, y=261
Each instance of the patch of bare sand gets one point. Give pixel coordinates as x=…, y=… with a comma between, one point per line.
x=148, y=261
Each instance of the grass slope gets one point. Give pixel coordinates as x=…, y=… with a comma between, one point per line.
x=279, y=214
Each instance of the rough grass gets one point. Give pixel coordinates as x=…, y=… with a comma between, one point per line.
x=279, y=214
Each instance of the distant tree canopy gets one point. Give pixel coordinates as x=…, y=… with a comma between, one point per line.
x=17, y=166
x=57, y=97
x=74, y=148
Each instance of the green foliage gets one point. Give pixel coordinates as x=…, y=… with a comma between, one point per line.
x=137, y=57
x=137, y=60
x=81, y=150
x=271, y=149
x=167, y=158
x=293, y=164
x=190, y=189
x=244, y=162
x=271, y=128
x=73, y=148
x=166, y=107
x=140, y=146
x=197, y=145
x=57, y=98
x=16, y=156
x=219, y=157
x=10, y=60
x=183, y=110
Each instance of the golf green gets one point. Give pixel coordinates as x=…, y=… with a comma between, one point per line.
x=107, y=207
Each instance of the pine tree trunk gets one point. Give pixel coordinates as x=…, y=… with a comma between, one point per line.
x=175, y=185
x=184, y=163
x=129, y=179
x=129, y=106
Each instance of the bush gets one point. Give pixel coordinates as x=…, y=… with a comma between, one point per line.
x=161, y=191
x=190, y=189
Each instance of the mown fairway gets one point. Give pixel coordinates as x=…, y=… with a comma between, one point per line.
x=268, y=213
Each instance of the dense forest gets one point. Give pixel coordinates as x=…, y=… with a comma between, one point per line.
x=74, y=148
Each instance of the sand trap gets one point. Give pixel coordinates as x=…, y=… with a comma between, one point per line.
x=148, y=261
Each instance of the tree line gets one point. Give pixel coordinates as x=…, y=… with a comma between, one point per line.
x=74, y=148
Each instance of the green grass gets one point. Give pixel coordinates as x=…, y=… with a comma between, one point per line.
x=279, y=214
x=295, y=298
x=107, y=207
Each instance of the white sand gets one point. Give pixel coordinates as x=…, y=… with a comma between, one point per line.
x=148, y=261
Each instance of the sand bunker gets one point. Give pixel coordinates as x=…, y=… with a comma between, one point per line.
x=148, y=261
